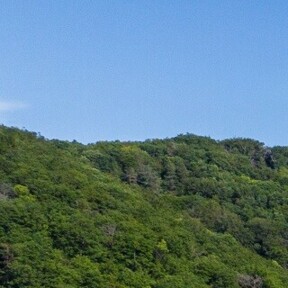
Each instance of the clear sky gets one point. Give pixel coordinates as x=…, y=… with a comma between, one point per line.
x=132, y=70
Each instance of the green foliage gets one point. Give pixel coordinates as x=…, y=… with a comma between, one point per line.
x=214, y=272
x=181, y=212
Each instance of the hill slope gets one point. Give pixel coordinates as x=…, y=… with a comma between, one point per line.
x=181, y=212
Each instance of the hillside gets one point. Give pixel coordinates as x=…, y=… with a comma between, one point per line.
x=182, y=212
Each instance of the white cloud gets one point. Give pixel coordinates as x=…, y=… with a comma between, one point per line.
x=6, y=106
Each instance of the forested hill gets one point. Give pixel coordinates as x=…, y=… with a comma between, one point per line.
x=187, y=212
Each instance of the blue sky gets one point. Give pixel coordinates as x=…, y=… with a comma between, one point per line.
x=132, y=70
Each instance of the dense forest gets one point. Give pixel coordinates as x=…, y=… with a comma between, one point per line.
x=184, y=212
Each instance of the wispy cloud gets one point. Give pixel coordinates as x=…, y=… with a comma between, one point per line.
x=8, y=106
